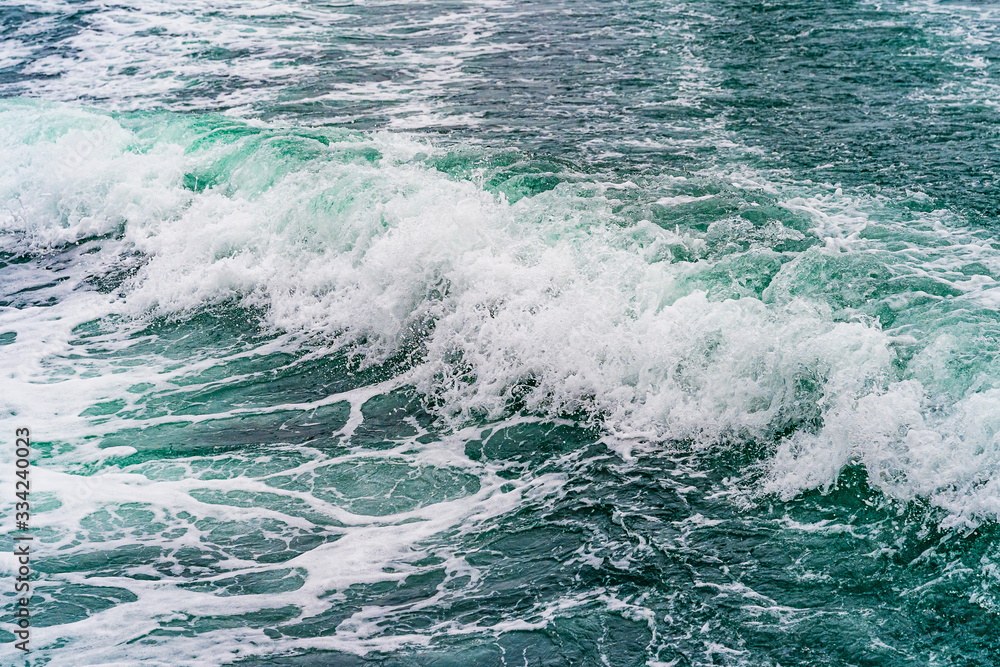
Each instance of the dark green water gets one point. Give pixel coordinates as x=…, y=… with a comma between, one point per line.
x=512, y=333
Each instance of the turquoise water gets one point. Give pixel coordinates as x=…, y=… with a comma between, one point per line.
x=504, y=333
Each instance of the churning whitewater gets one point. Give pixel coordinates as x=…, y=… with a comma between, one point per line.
x=503, y=333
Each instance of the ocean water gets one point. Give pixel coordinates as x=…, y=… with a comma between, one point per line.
x=459, y=333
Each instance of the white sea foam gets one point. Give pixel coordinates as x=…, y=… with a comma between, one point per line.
x=551, y=300
x=189, y=54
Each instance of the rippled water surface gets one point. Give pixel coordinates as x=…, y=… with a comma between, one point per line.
x=504, y=333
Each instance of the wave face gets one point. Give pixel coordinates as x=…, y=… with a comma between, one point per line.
x=413, y=334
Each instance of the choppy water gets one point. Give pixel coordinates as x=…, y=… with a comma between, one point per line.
x=502, y=333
